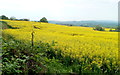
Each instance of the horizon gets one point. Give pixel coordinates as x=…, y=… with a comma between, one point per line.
x=61, y=10
x=79, y=20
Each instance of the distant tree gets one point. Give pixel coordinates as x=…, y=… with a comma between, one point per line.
x=44, y=20
x=22, y=19
x=110, y=30
x=25, y=19
x=99, y=28
x=4, y=17
x=118, y=29
x=12, y=18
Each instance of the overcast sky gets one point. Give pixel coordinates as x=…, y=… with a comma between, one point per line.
x=65, y=10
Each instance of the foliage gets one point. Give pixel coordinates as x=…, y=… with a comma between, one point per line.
x=21, y=58
x=23, y=19
x=118, y=28
x=12, y=18
x=44, y=20
x=110, y=30
x=97, y=27
x=4, y=17
x=17, y=58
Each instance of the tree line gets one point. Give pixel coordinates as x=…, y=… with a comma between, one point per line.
x=99, y=28
x=24, y=19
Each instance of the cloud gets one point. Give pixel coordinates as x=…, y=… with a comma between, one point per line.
x=61, y=9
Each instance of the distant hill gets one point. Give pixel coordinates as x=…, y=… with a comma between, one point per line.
x=103, y=23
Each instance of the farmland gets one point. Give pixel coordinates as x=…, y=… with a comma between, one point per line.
x=96, y=50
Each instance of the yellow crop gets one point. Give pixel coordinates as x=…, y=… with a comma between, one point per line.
x=75, y=42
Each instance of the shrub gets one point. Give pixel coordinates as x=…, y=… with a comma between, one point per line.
x=44, y=20
x=19, y=57
x=99, y=28
x=12, y=18
x=118, y=29
x=4, y=17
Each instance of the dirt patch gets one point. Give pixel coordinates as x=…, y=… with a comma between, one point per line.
x=77, y=34
x=4, y=25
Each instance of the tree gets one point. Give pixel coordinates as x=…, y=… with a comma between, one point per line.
x=118, y=29
x=12, y=18
x=110, y=30
x=99, y=28
x=4, y=17
x=25, y=19
x=44, y=20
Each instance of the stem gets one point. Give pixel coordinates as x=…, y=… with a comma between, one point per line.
x=32, y=40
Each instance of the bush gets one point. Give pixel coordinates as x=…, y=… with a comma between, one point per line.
x=22, y=58
x=99, y=28
x=44, y=20
x=4, y=17
x=12, y=18
x=118, y=29
x=19, y=57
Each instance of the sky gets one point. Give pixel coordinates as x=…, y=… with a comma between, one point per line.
x=61, y=10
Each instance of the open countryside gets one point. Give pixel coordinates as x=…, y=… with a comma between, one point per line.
x=75, y=49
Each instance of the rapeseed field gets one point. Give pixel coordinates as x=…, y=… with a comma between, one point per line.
x=81, y=43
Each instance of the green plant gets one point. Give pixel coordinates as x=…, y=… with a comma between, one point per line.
x=44, y=20
x=19, y=57
x=99, y=28
x=4, y=17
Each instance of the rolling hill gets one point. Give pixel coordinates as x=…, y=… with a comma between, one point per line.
x=82, y=49
x=92, y=23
